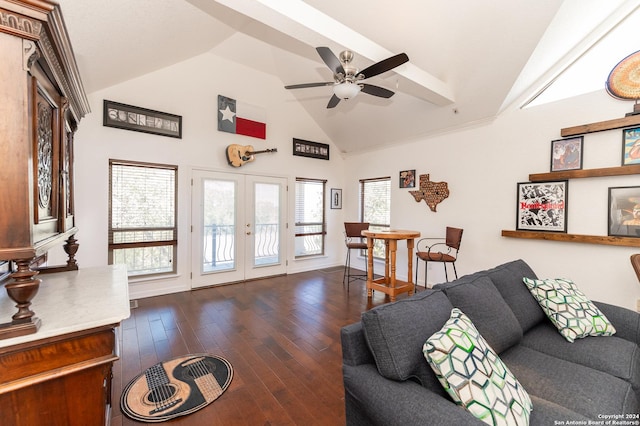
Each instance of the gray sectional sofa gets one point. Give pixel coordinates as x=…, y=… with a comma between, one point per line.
x=387, y=380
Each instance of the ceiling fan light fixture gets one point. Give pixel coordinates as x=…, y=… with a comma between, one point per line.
x=346, y=90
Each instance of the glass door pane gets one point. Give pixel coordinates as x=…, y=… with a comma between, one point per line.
x=266, y=248
x=265, y=226
x=216, y=242
x=219, y=225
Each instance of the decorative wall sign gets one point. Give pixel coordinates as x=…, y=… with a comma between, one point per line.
x=433, y=193
x=138, y=119
x=304, y=148
x=624, y=81
x=624, y=211
x=240, y=118
x=336, y=198
x=408, y=179
x=631, y=146
x=542, y=206
x=566, y=154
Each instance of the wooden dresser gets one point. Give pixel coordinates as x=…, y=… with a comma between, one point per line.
x=61, y=375
x=41, y=103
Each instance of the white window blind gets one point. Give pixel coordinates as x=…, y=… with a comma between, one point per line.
x=310, y=227
x=142, y=217
x=375, y=208
x=375, y=202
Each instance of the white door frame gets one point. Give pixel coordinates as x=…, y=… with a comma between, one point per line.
x=241, y=246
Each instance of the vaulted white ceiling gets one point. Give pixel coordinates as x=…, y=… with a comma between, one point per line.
x=468, y=59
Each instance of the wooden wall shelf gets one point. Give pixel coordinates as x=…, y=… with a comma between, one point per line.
x=573, y=238
x=618, y=123
x=632, y=169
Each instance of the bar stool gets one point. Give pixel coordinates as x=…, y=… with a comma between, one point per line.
x=354, y=241
x=443, y=252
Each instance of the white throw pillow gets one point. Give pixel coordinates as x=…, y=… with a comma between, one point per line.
x=473, y=374
x=569, y=309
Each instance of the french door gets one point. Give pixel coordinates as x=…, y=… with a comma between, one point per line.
x=238, y=227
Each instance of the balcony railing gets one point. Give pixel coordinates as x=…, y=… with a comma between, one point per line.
x=220, y=243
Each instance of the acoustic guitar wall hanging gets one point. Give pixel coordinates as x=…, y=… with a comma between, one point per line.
x=433, y=193
x=237, y=155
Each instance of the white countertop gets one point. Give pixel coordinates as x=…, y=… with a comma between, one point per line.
x=73, y=301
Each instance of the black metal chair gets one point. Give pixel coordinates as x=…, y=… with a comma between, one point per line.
x=443, y=251
x=354, y=241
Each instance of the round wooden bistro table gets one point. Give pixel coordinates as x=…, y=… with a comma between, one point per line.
x=389, y=284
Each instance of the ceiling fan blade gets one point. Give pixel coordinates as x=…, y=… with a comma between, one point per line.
x=385, y=65
x=333, y=101
x=305, y=85
x=330, y=59
x=378, y=91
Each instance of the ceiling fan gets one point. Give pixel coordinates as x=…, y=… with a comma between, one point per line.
x=348, y=79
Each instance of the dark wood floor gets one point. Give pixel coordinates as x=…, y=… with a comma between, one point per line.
x=280, y=334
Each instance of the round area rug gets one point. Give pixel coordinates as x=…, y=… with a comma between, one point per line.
x=176, y=387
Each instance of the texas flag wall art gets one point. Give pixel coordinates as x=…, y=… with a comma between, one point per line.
x=240, y=118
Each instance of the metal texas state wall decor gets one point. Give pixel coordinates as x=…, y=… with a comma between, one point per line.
x=433, y=193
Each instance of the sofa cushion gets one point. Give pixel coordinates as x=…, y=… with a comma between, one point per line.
x=547, y=413
x=395, y=333
x=569, y=309
x=480, y=300
x=578, y=388
x=613, y=355
x=473, y=374
x=508, y=280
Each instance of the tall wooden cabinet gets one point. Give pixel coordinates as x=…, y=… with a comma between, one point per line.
x=41, y=103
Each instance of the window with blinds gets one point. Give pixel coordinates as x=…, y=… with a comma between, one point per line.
x=142, y=217
x=375, y=207
x=310, y=229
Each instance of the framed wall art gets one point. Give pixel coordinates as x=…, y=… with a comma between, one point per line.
x=542, y=206
x=408, y=179
x=624, y=211
x=128, y=117
x=304, y=148
x=336, y=198
x=631, y=146
x=566, y=154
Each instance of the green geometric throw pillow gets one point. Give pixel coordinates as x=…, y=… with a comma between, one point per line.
x=569, y=309
x=473, y=374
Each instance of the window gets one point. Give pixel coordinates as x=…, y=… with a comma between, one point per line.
x=375, y=207
x=142, y=217
x=309, y=221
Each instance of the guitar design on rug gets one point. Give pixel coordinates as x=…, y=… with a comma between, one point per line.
x=237, y=155
x=176, y=388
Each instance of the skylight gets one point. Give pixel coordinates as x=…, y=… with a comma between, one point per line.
x=589, y=73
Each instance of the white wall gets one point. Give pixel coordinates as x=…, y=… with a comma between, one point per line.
x=190, y=89
x=482, y=166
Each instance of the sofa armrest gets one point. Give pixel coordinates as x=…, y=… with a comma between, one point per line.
x=381, y=401
x=355, y=350
x=626, y=321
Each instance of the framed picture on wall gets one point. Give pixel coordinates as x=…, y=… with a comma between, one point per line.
x=624, y=211
x=310, y=149
x=336, y=198
x=566, y=154
x=408, y=179
x=129, y=117
x=542, y=206
x=631, y=146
